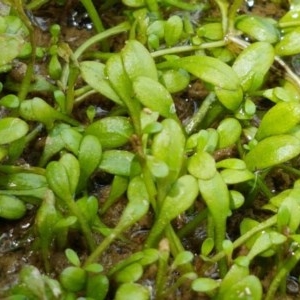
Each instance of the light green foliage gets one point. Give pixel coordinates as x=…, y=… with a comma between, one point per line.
x=260, y=28
x=188, y=122
x=12, y=129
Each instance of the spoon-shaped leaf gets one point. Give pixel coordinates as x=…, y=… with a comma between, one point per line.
x=93, y=73
x=155, y=96
x=89, y=156
x=289, y=43
x=38, y=110
x=12, y=129
x=180, y=198
x=275, y=121
x=215, y=72
x=169, y=146
x=259, y=28
x=112, y=132
x=252, y=65
x=272, y=151
x=72, y=168
x=138, y=61
x=129, y=291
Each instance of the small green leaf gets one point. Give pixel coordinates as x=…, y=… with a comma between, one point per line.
x=215, y=72
x=289, y=43
x=211, y=31
x=231, y=163
x=229, y=132
x=117, y=162
x=12, y=129
x=129, y=291
x=204, y=285
x=11, y=208
x=275, y=121
x=38, y=110
x=168, y=146
x=207, y=246
x=175, y=80
x=182, y=258
x=155, y=96
x=94, y=268
x=231, y=176
x=260, y=28
x=157, y=167
x=112, y=132
x=252, y=65
x=89, y=156
x=272, y=151
x=93, y=73
x=130, y=273
x=138, y=61
x=248, y=287
x=97, y=287
x=72, y=257
x=173, y=30
x=73, y=279
x=202, y=165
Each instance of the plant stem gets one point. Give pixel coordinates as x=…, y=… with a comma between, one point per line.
x=197, y=118
x=82, y=222
x=91, y=10
x=282, y=273
x=101, y=36
x=188, y=48
x=242, y=239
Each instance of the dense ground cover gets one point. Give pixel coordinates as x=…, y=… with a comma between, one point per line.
x=149, y=150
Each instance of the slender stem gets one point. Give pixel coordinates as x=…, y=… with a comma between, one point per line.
x=191, y=226
x=241, y=240
x=86, y=230
x=231, y=14
x=223, y=6
x=101, y=248
x=101, y=36
x=90, y=8
x=25, y=85
x=188, y=48
x=282, y=274
x=290, y=169
x=197, y=118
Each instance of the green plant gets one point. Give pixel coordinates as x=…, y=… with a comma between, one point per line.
x=204, y=170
